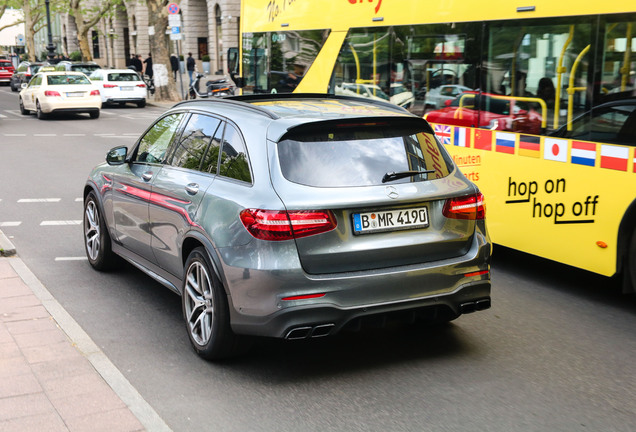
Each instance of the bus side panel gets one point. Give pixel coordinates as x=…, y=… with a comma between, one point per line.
x=552, y=208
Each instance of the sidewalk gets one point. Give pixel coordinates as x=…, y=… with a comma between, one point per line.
x=52, y=375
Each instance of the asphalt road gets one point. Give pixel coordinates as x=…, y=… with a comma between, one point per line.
x=556, y=352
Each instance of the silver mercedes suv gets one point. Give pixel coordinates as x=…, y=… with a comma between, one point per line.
x=292, y=216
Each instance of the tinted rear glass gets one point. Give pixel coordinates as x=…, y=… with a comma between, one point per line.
x=123, y=77
x=67, y=79
x=87, y=69
x=355, y=156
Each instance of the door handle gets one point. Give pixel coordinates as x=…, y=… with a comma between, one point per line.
x=147, y=176
x=192, y=188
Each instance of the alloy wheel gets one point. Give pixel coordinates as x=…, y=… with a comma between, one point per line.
x=92, y=230
x=198, y=302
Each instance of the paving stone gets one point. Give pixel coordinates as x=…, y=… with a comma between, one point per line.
x=60, y=388
x=32, y=325
x=20, y=385
x=10, y=350
x=43, y=338
x=43, y=353
x=13, y=367
x=25, y=313
x=9, y=304
x=50, y=422
x=121, y=420
x=6, y=271
x=12, y=287
x=24, y=406
x=99, y=401
x=62, y=368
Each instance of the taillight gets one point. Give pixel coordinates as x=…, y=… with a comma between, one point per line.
x=279, y=225
x=110, y=85
x=95, y=93
x=51, y=93
x=141, y=85
x=465, y=207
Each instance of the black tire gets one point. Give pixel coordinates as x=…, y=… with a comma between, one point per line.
x=97, y=243
x=141, y=104
x=206, y=311
x=38, y=111
x=13, y=89
x=94, y=114
x=22, y=110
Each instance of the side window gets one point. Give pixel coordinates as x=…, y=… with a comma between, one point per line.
x=234, y=161
x=36, y=81
x=194, y=141
x=211, y=160
x=154, y=144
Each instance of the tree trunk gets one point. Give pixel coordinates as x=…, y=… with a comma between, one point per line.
x=82, y=35
x=29, y=25
x=165, y=87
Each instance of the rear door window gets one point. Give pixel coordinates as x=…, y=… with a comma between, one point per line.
x=194, y=141
x=349, y=156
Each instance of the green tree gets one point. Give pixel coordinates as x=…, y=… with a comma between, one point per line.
x=87, y=14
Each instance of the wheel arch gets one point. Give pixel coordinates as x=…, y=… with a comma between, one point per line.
x=195, y=239
x=626, y=229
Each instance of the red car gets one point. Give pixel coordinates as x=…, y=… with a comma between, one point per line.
x=6, y=71
x=487, y=111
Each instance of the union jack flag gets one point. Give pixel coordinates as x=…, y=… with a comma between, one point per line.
x=443, y=132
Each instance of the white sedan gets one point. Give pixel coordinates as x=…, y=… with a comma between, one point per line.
x=120, y=86
x=60, y=92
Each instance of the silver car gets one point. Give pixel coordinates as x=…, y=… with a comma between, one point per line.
x=292, y=216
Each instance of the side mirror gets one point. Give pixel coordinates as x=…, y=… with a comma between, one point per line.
x=23, y=85
x=117, y=156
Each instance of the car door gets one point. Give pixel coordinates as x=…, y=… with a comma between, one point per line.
x=133, y=182
x=30, y=93
x=180, y=186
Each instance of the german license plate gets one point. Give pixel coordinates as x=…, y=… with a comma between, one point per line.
x=126, y=88
x=75, y=94
x=390, y=220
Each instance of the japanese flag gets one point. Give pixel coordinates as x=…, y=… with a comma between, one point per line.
x=555, y=149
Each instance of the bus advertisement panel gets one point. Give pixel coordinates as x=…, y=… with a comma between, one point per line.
x=535, y=102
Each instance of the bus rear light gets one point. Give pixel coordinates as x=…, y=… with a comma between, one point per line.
x=279, y=225
x=470, y=207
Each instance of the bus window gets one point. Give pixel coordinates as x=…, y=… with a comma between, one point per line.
x=619, y=59
x=276, y=62
x=544, y=74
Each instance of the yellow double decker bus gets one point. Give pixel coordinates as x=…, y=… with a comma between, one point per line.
x=534, y=100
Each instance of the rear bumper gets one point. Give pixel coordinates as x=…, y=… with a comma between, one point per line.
x=257, y=305
x=70, y=105
x=130, y=100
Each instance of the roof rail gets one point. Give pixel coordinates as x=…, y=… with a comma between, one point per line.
x=236, y=103
x=278, y=96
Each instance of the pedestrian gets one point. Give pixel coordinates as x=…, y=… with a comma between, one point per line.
x=174, y=63
x=190, y=66
x=148, y=63
x=136, y=62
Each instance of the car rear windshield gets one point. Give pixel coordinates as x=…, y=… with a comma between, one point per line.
x=354, y=155
x=67, y=79
x=123, y=77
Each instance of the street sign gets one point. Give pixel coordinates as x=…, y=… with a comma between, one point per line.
x=175, y=34
x=173, y=8
x=19, y=39
x=174, y=20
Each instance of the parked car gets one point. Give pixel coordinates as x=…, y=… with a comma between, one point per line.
x=60, y=92
x=370, y=91
x=120, y=86
x=6, y=71
x=85, y=67
x=23, y=74
x=473, y=109
x=292, y=216
x=401, y=96
x=437, y=97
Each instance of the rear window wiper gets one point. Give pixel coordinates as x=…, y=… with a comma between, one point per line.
x=403, y=174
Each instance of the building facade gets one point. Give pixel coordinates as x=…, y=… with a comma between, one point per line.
x=208, y=28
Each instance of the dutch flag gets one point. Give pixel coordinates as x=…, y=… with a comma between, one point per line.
x=583, y=153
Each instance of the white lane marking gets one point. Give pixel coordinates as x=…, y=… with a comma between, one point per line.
x=107, y=113
x=14, y=135
x=39, y=200
x=79, y=199
x=3, y=116
x=14, y=112
x=70, y=258
x=131, y=134
x=60, y=222
x=44, y=135
x=74, y=135
x=10, y=224
x=104, y=134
